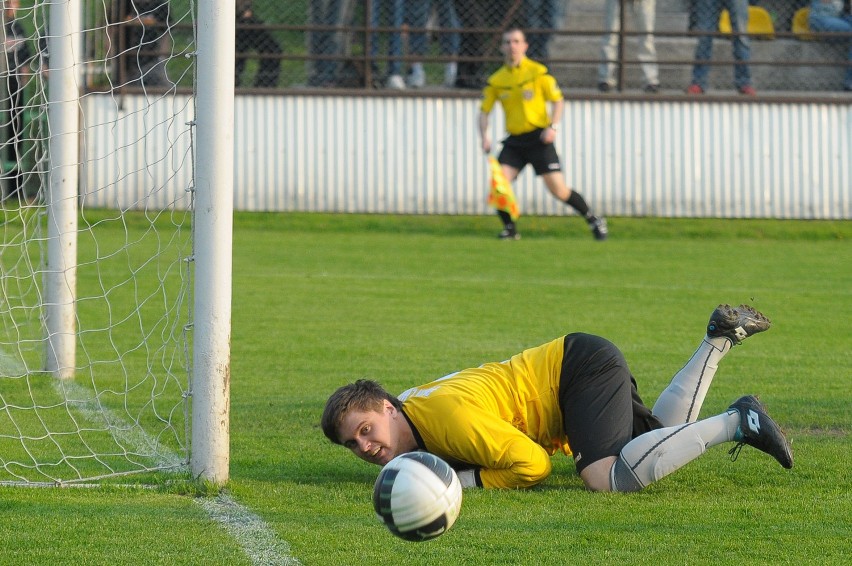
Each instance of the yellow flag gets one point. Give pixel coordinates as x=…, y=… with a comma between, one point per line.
x=501, y=196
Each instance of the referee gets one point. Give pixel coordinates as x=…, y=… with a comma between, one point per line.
x=524, y=88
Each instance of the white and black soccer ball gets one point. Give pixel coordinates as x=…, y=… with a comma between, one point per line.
x=417, y=496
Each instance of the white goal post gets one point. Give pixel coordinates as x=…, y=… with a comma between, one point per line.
x=115, y=311
x=213, y=236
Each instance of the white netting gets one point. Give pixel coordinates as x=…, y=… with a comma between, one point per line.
x=126, y=408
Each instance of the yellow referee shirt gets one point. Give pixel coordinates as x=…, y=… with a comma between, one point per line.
x=524, y=92
x=503, y=418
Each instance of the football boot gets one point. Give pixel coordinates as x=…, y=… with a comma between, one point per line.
x=736, y=324
x=756, y=429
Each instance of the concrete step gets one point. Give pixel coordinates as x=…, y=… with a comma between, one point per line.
x=594, y=21
x=597, y=5
x=671, y=15
x=678, y=76
x=588, y=15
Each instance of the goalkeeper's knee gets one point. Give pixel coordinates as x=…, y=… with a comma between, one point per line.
x=622, y=478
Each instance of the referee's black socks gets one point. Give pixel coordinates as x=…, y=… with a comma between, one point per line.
x=506, y=218
x=578, y=203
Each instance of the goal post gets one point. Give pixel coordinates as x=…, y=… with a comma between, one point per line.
x=213, y=241
x=116, y=242
x=60, y=274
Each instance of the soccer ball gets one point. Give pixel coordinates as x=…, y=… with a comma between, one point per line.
x=417, y=496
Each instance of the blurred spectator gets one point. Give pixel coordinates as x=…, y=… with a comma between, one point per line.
x=831, y=15
x=326, y=42
x=540, y=14
x=694, y=6
x=144, y=41
x=480, y=15
x=259, y=41
x=707, y=20
x=389, y=14
x=18, y=59
x=417, y=16
x=643, y=16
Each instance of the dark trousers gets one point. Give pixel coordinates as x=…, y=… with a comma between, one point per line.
x=479, y=14
x=263, y=43
x=13, y=139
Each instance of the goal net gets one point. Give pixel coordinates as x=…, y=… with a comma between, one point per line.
x=96, y=248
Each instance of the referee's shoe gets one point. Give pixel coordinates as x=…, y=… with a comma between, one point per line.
x=758, y=430
x=597, y=224
x=509, y=232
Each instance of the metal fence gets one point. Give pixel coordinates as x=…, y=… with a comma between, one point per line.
x=421, y=155
x=788, y=48
x=306, y=138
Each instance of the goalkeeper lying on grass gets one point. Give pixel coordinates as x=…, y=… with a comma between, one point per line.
x=498, y=424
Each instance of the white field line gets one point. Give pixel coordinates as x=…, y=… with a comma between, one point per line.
x=10, y=365
x=258, y=541
x=83, y=401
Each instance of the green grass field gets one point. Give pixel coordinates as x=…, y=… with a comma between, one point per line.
x=321, y=300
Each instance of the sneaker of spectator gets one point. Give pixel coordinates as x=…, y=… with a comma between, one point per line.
x=694, y=89
x=451, y=71
x=417, y=76
x=395, y=82
x=747, y=90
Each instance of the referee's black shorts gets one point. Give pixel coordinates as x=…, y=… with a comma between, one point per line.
x=522, y=149
x=601, y=407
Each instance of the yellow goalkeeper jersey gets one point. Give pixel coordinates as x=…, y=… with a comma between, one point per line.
x=524, y=92
x=503, y=418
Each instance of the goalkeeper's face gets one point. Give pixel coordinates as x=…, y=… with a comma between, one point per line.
x=373, y=436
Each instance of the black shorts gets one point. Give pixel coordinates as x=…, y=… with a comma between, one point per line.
x=527, y=148
x=601, y=407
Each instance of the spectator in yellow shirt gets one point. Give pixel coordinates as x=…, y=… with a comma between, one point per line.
x=524, y=88
x=498, y=424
